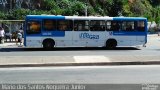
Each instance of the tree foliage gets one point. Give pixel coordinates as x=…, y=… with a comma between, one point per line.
x=139, y=8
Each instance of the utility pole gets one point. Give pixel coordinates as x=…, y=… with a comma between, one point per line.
x=86, y=8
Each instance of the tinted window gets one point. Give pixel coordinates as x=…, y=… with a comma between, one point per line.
x=141, y=26
x=97, y=25
x=81, y=25
x=65, y=25
x=128, y=26
x=49, y=25
x=113, y=25
x=108, y=25
x=33, y=27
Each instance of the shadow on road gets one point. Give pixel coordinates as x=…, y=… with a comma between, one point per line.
x=65, y=49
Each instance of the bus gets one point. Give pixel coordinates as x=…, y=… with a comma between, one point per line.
x=49, y=31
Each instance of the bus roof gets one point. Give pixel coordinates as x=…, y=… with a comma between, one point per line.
x=59, y=17
x=44, y=17
x=129, y=18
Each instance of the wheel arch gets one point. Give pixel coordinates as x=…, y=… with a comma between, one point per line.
x=113, y=40
x=48, y=39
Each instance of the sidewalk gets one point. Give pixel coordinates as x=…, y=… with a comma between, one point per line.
x=40, y=61
x=10, y=45
x=153, y=35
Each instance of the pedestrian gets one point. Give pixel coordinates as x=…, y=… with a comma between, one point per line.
x=158, y=31
x=19, y=36
x=2, y=34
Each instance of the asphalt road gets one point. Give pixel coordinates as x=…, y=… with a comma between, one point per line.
x=149, y=53
x=82, y=75
x=85, y=75
x=71, y=54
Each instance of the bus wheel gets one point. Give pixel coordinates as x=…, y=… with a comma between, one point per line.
x=111, y=43
x=48, y=44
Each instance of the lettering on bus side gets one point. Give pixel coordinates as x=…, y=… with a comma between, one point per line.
x=88, y=36
x=46, y=34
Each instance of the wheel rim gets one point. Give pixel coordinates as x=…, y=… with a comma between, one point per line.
x=111, y=44
x=48, y=45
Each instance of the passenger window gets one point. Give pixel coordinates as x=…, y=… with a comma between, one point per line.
x=113, y=25
x=65, y=25
x=33, y=27
x=108, y=25
x=49, y=25
x=141, y=26
x=97, y=25
x=81, y=25
x=128, y=26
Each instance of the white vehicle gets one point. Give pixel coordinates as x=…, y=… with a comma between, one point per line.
x=50, y=31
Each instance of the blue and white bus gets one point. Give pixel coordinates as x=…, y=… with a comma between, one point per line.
x=50, y=31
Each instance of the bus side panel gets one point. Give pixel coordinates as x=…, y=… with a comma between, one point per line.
x=33, y=41
x=79, y=38
x=89, y=38
x=64, y=41
x=141, y=40
x=97, y=38
x=124, y=38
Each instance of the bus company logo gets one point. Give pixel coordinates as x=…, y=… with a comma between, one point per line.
x=88, y=36
x=110, y=33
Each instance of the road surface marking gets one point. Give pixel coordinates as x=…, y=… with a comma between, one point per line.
x=91, y=59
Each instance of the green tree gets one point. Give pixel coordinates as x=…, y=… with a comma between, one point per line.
x=78, y=8
x=144, y=8
x=111, y=7
x=155, y=2
x=2, y=15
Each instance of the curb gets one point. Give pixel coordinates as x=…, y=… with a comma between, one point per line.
x=82, y=64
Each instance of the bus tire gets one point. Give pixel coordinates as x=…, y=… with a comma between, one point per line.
x=48, y=44
x=111, y=43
